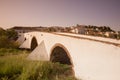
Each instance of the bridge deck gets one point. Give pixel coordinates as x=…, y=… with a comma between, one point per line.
x=92, y=38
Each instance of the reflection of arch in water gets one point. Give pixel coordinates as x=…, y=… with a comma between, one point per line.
x=34, y=43
x=60, y=54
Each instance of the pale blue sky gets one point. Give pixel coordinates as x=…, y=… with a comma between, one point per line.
x=60, y=13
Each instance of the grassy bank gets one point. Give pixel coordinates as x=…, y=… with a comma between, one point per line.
x=17, y=67
x=12, y=51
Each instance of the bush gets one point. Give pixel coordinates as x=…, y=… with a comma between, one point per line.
x=11, y=34
x=7, y=38
x=2, y=31
x=6, y=43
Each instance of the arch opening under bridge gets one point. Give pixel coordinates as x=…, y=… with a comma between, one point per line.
x=34, y=43
x=60, y=54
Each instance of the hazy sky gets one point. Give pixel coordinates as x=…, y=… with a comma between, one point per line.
x=60, y=13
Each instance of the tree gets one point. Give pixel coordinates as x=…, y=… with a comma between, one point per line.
x=11, y=34
x=118, y=34
x=108, y=29
x=67, y=29
x=7, y=38
x=4, y=42
x=2, y=31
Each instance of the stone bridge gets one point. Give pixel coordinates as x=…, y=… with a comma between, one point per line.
x=91, y=58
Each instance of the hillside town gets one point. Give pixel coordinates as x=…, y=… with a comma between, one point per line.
x=102, y=31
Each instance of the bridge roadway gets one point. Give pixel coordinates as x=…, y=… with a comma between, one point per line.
x=92, y=58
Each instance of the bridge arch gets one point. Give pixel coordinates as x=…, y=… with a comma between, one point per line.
x=59, y=53
x=34, y=43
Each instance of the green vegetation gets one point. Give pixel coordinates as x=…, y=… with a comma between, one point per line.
x=17, y=67
x=118, y=34
x=7, y=38
x=11, y=51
